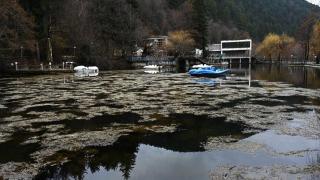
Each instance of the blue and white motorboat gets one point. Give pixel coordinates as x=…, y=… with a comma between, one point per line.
x=208, y=72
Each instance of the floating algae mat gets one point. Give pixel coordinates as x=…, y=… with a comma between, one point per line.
x=131, y=125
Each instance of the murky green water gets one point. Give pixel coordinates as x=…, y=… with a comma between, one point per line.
x=133, y=125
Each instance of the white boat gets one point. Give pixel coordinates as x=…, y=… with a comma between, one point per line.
x=200, y=66
x=152, y=67
x=152, y=71
x=83, y=71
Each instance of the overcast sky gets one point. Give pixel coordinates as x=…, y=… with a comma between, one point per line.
x=315, y=1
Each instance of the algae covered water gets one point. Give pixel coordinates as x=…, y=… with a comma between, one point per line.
x=130, y=125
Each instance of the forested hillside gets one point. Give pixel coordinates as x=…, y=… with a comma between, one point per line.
x=98, y=28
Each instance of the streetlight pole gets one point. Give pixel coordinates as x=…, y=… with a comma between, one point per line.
x=74, y=51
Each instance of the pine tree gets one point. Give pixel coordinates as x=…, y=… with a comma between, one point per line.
x=200, y=24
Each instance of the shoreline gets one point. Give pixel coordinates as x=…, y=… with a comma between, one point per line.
x=290, y=64
x=34, y=72
x=19, y=73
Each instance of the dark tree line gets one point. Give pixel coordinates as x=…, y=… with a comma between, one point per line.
x=99, y=31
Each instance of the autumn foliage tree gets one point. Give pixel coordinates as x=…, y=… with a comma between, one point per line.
x=276, y=46
x=181, y=42
x=315, y=40
x=285, y=44
x=268, y=47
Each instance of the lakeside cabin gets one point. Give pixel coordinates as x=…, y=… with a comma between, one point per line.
x=231, y=50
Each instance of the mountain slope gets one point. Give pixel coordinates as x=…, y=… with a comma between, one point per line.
x=259, y=17
x=111, y=26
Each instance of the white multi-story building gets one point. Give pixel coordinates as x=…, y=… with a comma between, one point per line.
x=231, y=50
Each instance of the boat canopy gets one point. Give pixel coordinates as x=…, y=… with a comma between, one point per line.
x=200, y=66
x=80, y=68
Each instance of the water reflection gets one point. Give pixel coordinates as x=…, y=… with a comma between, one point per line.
x=147, y=155
x=128, y=159
x=299, y=76
x=192, y=132
x=206, y=81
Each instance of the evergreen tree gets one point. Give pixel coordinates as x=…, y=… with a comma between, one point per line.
x=113, y=25
x=174, y=4
x=200, y=24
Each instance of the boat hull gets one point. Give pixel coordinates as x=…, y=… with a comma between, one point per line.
x=209, y=74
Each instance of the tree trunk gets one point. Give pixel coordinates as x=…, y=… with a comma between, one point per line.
x=38, y=52
x=270, y=57
x=307, y=50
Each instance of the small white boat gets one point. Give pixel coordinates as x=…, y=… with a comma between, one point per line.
x=83, y=71
x=200, y=66
x=152, y=71
x=225, y=63
x=152, y=67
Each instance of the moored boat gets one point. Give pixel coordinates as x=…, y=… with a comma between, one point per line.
x=152, y=67
x=83, y=71
x=208, y=72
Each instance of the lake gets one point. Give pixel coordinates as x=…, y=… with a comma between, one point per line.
x=258, y=122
